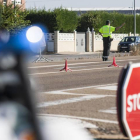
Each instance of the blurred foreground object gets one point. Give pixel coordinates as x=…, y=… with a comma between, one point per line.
x=64, y=129
x=16, y=97
x=18, y=119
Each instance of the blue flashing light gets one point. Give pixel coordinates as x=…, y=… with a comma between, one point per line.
x=31, y=39
x=34, y=34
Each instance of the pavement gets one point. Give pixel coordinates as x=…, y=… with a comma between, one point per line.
x=72, y=56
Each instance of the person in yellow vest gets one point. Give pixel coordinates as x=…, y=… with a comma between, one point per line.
x=106, y=32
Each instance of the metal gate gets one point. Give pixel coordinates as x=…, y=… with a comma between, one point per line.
x=49, y=37
x=80, y=42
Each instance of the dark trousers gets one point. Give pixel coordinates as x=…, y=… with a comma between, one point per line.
x=106, y=47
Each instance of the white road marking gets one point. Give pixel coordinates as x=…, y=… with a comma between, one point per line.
x=75, y=70
x=82, y=118
x=62, y=93
x=108, y=88
x=111, y=110
x=127, y=60
x=63, y=119
x=73, y=67
x=72, y=100
x=45, y=73
x=48, y=66
x=84, y=66
x=84, y=87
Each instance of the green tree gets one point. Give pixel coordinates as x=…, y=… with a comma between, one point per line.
x=67, y=21
x=0, y=13
x=13, y=19
x=47, y=18
x=58, y=19
x=89, y=19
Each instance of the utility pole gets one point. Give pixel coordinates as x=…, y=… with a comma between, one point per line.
x=15, y=11
x=132, y=7
x=134, y=19
x=14, y=4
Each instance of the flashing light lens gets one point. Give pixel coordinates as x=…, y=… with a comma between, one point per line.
x=34, y=34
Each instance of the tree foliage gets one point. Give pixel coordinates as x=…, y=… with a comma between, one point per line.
x=117, y=19
x=68, y=21
x=89, y=19
x=58, y=19
x=47, y=18
x=13, y=19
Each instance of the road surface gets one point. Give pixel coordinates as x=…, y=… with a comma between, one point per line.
x=88, y=93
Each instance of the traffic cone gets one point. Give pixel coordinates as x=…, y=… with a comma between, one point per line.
x=114, y=63
x=66, y=67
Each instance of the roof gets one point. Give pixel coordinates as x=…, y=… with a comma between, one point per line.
x=103, y=9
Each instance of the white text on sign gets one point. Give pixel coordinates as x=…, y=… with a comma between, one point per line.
x=133, y=102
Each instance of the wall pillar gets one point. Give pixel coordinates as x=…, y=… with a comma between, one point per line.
x=56, y=41
x=93, y=40
x=75, y=33
x=129, y=34
x=88, y=40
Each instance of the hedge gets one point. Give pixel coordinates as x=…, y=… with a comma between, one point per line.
x=68, y=21
x=58, y=19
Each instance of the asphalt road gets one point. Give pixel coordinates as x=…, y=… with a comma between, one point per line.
x=87, y=93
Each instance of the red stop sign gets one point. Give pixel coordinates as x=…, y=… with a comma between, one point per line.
x=131, y=102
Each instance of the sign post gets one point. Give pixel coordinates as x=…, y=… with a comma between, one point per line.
x=128, y=101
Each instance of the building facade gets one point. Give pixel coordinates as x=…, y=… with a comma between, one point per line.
x=15, y=2
x=123, y=10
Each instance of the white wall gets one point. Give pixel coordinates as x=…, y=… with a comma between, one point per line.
x=99, y=45
x=66, y=42
x=114, y=44
x=66, y=46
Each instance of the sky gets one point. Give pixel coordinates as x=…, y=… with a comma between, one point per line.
x=51, y=4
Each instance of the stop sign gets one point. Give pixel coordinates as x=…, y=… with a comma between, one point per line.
x=129, y=94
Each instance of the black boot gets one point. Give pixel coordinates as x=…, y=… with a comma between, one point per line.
x=106, y=59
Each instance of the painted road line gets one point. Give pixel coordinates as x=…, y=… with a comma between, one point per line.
x=48, y=66
x=73, y=67
x=127, y=60
x=62, y=93
x=111, y=110
x=45, y=73
x=72, y=100
x=54, y=119
x=108, y=88
x=84, y=87
x=85, y=66
x=81, y=118
x=67, y=93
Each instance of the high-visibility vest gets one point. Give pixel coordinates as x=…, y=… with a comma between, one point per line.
x=107, y=30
